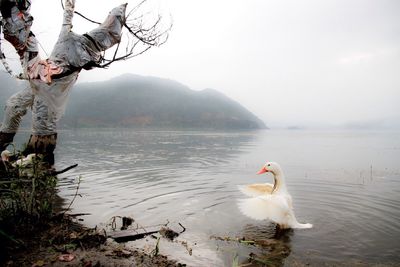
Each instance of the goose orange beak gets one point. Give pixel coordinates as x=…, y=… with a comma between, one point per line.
x=263, y=170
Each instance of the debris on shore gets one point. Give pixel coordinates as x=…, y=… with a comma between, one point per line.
x=65, y=242
x=35, y=231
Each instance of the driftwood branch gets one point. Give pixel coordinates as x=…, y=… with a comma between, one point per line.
x=63, y=170
x=140, y=232
x=130, y=236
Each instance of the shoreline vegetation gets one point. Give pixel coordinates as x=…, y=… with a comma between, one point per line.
x=35, y=229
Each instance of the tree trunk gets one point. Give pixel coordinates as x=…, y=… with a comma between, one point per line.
x=44, y=145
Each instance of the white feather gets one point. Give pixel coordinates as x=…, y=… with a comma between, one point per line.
x=255, y=190
x=266, y=205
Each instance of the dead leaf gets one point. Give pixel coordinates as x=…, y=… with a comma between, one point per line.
x=39, y=263
x=66, y=257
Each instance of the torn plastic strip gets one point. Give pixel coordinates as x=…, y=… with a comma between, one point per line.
x=17, y=29
x=44, y=120
x=55, y=95
x=3, y=57
x=16, y=107
x=84, y=51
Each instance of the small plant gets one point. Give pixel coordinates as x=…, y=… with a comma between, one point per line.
x=27, y=196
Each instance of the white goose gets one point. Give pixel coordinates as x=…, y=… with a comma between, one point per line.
x=272, y=202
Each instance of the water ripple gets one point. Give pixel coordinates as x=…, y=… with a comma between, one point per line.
x=191, y=177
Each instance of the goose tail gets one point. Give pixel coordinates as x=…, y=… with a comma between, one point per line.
x=303, y=226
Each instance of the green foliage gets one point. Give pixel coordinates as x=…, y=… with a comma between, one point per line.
x=27, y=195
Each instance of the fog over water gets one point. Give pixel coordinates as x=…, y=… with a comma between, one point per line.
x=293, y=63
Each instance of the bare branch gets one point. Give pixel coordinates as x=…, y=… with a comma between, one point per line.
x=136, y=7
x=143, y=34
x=76, y=194
x=147, y=35
x=125, y=57
x=79, y=14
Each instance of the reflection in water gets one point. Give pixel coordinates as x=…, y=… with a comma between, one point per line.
x=274, y=244
x=260, y=245
x=345, y=183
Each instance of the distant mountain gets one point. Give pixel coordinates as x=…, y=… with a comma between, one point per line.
x=137, y=101
x=148, y=102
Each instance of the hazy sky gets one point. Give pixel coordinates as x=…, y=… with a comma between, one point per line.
x=291, y=62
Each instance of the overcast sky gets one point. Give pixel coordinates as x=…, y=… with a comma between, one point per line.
x=291, y=62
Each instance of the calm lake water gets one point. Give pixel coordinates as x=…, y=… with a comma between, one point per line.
x=346, y=183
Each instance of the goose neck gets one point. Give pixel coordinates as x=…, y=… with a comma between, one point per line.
x=279, y=182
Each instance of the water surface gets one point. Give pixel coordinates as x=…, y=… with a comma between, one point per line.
x=346, y=183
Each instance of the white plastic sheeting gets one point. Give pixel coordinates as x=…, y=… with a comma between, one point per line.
x=56, y=94
x=109, y=32
x=17, y=28
x=44, y=121
x=16, y=107
x=73, y=51
x=52, y=79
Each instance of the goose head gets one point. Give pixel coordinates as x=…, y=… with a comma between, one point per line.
x=272, y=167
x=276, y=170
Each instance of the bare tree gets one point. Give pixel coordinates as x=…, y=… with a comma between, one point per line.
x=50, y=80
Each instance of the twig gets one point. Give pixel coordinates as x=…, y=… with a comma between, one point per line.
x=32, y=194
x=63, y=170
x=184, y=229
x=79, y=14
x=156, y=249
x=371, y=173
x=136, y=7
x=151, y=36
x=76, y=193
x=15, y=181
x=10, y=238
x=92, y=21
x=126, y=238
x=79, y=214
x=8, y=191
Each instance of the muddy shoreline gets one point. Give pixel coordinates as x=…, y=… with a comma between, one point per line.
x=65, y=242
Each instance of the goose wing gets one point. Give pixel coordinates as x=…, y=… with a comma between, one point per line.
x=271, y=207
x=255, y=190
